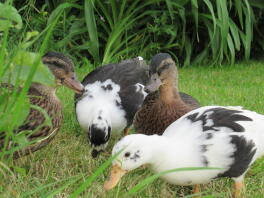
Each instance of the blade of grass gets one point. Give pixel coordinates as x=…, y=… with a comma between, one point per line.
x=90, y=179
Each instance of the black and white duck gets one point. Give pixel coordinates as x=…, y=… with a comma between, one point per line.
x=229, y=139
x=113, y=93
x=164, y=104
x=45, y=97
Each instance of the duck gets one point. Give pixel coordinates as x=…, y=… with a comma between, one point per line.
x=113, y=93
x=164, y=104
x=44, y=96
x=221, y=140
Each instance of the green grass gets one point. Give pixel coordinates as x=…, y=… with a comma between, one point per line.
x=69, y=154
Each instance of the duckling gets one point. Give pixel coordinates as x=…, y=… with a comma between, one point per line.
x=45, y=97
x=113, y=94
x=226, y=139
x=162, y=107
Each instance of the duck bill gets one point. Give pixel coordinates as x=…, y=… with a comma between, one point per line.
x=116, y=174
x=153, y=84
x=74, y=85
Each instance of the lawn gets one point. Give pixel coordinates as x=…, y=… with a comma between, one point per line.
x=69, y=154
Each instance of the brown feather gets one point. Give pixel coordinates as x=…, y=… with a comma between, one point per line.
x=164, y=106
x=45, y=97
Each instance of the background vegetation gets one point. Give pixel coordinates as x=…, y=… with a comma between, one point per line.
x=196, y=32
x=193, y=31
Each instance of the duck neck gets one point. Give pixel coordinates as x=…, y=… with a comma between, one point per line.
x=156, y=144
x=169, y=91
x=47, y=91
x=168, y=153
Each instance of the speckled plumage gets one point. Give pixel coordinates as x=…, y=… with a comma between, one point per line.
x=45, y=97
x=113, y=94
x=226, y=139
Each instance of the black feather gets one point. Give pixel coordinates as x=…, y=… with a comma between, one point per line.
x=221, y=117
x=245, y=151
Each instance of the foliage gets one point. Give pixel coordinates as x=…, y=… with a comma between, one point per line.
x=193, y=31
x=105, y=31
x=19, y=68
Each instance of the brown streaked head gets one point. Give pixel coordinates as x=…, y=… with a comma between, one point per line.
x=162, y=70
x=62, y=68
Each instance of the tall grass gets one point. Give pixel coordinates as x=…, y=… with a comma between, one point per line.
x=19, y=68
x=193, y=31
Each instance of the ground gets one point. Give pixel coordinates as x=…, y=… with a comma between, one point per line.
x=69, y=155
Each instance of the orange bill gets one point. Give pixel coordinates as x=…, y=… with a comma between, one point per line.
x=116, y=174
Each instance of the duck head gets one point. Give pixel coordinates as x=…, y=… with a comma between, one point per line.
x=163, y=71
x=62, y=68
x=99, y=133
x=132, y=152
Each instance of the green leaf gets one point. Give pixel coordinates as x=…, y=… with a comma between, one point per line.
x=9, y=17
x=22, y=65
x=92, y=28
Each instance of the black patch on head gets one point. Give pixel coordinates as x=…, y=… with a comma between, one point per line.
x=107, y=87
x=221, y=117
x=156, y=60
x=97, y=136
x=135, y=156
x=90, y=96
x=99, y=117
x=245, y=151
x=109, y=129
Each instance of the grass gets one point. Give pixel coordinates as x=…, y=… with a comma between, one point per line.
x=69, y=154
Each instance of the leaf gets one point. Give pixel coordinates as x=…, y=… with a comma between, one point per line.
x=7, y=111
x=22, y=65
x=92, y=28
x=9, y=17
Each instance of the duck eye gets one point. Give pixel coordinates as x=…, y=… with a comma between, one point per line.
x=127, y=154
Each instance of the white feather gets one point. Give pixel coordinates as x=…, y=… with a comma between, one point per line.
x=97, y=99
x=180, y=147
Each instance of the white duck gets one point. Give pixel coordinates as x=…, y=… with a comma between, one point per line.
x=228, y=138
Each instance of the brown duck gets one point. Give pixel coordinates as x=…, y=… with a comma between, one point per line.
x=45, y=97
x=165, y=103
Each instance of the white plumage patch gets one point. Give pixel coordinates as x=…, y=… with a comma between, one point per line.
x=140, y=89
x=101, y=98
x=199, y=139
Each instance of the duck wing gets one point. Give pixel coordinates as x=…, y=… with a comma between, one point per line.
x=126, y=73
x=189, y=100
x=37, y=122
